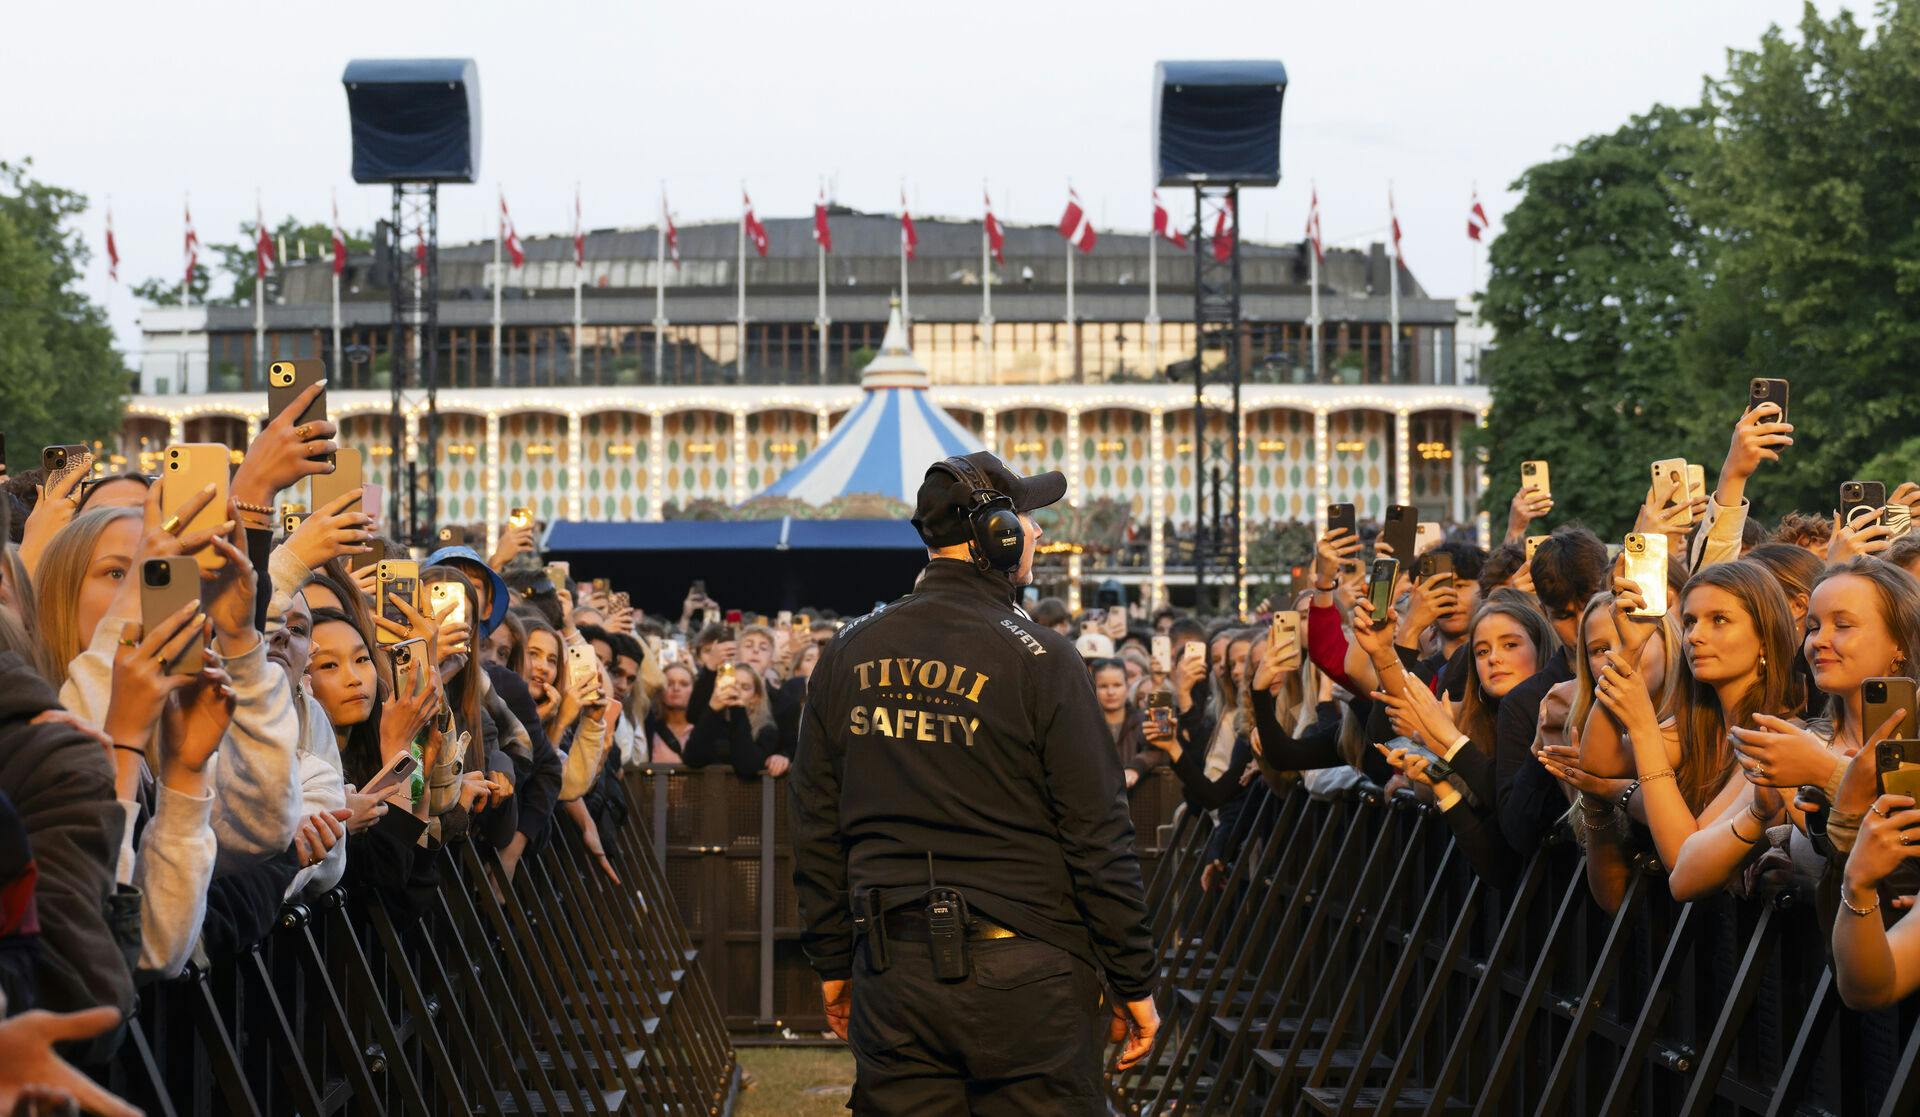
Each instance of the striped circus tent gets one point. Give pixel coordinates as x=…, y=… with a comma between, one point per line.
x=885, y=444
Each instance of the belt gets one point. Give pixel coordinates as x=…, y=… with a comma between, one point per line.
x=910, y=925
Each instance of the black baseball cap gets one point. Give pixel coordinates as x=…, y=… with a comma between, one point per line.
x=940, y=512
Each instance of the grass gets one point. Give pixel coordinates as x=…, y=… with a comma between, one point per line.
x=796, y=1081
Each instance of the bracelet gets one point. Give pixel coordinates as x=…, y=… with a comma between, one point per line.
x=1662, y=774
x=1318, y=588
x=1757, y=816
x=256, y=509
x=139, y=752
x=1734, y=826
x=1861, y=912
x=1627, y=795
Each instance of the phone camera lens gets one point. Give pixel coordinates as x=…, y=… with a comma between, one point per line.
x=157, y=574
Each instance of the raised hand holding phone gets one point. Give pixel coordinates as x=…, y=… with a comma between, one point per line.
x=298, y=442
x=340, y=529
x=1760, y=435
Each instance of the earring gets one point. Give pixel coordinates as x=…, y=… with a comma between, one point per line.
x=1763, y=663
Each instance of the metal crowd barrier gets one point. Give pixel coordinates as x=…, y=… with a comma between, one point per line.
x=561, y=994
x=1353, y=964
x=707, y=827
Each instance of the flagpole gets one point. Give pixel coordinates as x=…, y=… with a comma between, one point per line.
x=986, y=290
x=740, y=304
x=1073, y=340
x=660, y=292
x=820, y=319
x=1153, y=299
x=579, y=277
x=1313, y=312
x=337, y=359
x=1473, y=259
x=499, y=237
x=259, y=293
x=906, y=298
x=1393, y=305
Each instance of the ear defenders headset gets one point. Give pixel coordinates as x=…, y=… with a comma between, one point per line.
x=998, y=535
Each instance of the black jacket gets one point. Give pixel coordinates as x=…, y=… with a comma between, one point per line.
x=728, y=737
x=538, y=789
x=62, y=786
x=949, y=723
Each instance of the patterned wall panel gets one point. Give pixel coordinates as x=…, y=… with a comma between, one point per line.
x=463, y=468
x=1032, y=441
x=614, y=473
x=1179, y=479
x=776, y=442
x=699, y=455
x=1279, y=461
x=1115, y=457
x=1433, y=446
x=972, y=420
x=1362, y=444
x=533, y=449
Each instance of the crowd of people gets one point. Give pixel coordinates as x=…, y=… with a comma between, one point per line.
x=166, y=782
x=1728, y=722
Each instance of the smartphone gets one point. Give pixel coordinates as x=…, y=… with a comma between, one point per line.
x=1647, y=565
x=1898, y=767
x=1342, y=516
x=583, y=664
x=58, y=461
x=1855, y=495
x=1160, y=711
x=287, y=379
x=442, y=594
x=783, y=619
x=803, y=620
x=291, y=517
x=166, y=585
x=1899, y=520
x=348, y=474
x=1403, y=521
x=191, y=467
x=1880, y=697
x=406, y=656
x=1426, y=536
x=1763, y=389
x=1696, y=482
x=520, y=517
x=1670, y=488
x=559, y=573
x=734, y=615
x=1283, y=632
x=398, y=771
x=375, y=555
x=725, y=676
x=603, y=585
x=1535, y=473
x=1163, y=654
x=395, y=578
x=1433, y=563
x=622, y=600
x=1384, y=573
x=1533, y=544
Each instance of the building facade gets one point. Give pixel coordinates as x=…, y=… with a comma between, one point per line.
x=637, y=414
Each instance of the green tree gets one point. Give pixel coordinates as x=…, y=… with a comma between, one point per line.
x=1593, y=281
x=1813, y=188
x=60, y=378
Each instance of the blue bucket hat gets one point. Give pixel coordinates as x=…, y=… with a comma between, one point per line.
x=447, y=555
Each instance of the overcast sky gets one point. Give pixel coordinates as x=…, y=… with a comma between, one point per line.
x=146, y=103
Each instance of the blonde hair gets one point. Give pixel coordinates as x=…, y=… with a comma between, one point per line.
x=63, y=569
x=1663, y=702
x=760, y=712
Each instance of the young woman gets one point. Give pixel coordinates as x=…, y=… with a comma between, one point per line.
x=669, y=728
x=1876, y=966
x=1509, y=639
x=1123, y=721
x=1598, y=769
x=1212, y=742
x=737, y=728
x=371, y=732
x=1739, y=651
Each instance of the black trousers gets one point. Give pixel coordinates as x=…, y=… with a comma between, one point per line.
x=1025, y=1034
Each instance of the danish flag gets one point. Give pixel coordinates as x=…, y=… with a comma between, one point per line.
x=1076, y=226
x=1163, y=224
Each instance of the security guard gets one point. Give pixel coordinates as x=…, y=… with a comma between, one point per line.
x=963, y=854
